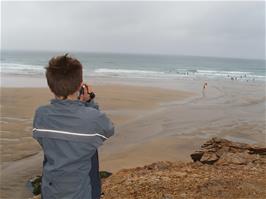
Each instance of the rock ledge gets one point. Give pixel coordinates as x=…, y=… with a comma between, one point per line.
x=220, y=169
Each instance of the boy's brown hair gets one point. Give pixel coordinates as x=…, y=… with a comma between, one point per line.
x=64, y=75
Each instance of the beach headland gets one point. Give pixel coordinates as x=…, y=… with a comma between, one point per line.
x=220, y=169
x=156, y=120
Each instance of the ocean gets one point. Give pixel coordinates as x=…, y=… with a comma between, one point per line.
x=140, y=65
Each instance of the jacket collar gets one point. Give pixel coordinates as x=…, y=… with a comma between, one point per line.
x=66, y=101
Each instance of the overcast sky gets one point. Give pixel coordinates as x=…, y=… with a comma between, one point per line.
x=224, y=29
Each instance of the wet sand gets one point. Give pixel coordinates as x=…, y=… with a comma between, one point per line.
x=231, y=110
x=152, y=123
x=20, y=154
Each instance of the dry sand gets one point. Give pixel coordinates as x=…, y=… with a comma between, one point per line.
x=119, y=102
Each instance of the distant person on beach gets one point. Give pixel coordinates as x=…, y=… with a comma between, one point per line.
x=204, y=88
x=70, y=129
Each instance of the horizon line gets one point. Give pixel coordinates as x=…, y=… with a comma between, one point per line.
x=127, y=53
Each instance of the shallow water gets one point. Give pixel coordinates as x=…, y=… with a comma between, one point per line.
x=232, y=110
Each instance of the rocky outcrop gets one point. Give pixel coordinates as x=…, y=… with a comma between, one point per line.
x=221, y=169
x=222, y=151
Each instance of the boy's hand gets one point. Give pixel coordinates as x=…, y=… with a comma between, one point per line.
x=85, y=96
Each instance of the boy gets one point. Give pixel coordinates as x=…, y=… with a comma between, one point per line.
x=69, y=130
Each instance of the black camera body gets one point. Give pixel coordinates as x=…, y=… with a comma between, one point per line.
x=91, y=94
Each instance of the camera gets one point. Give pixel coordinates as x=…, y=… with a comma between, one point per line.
x=81, y=92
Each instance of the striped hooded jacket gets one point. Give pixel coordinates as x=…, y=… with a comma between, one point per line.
x=70, y=132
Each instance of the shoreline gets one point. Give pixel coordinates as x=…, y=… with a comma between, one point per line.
x=39, y=81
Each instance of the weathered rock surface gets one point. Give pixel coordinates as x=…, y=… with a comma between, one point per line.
x=222, y=151
x=222, y=169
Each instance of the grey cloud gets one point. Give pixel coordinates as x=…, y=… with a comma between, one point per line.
x=195, y=28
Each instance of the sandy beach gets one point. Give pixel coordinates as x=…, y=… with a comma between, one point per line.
x=154, y=121
x=20, y=158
